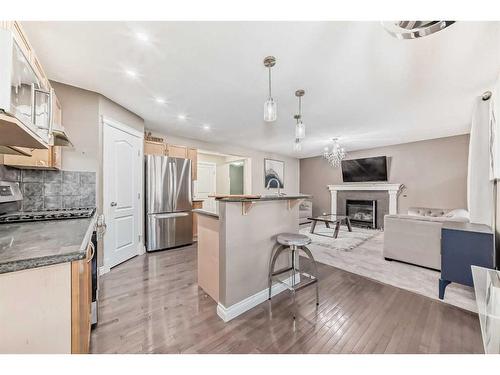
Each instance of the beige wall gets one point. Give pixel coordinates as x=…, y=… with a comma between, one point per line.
x=257, y=162
x=433, y=171
x=81, y=117
x=110, y=109
x=245, y=245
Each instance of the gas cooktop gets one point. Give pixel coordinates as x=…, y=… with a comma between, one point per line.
x=59, y=214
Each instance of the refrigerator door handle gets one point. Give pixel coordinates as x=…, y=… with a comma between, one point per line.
x=170, y=215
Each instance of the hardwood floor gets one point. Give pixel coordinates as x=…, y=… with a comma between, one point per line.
x=152, y=304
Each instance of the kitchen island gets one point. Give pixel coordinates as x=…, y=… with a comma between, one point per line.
x=234, y=247
x=45, y=281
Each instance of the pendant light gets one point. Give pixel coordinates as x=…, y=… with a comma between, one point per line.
x=270, y=110
x=297, y=146
x=300, y=128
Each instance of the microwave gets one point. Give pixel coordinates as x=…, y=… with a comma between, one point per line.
x=22, y=94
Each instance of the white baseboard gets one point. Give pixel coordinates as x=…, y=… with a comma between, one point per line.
x=104, y=270
x=231, y=312
x=141, y=249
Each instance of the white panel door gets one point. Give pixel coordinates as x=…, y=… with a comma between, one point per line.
x=122, y=185
x=207, y=185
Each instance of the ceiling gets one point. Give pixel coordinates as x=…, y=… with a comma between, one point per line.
x=361, y=84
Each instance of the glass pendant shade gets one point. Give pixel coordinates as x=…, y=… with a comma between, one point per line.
x=270, y=110
x=300, y=130
x=297, y=146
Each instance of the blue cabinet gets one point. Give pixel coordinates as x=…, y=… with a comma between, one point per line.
x=464, y=245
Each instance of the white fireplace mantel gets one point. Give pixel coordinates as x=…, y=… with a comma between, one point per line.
x=392, y=189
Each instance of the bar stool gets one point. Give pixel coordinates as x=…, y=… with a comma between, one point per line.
x=293, y=243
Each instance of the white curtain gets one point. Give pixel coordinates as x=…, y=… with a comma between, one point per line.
x=480, y=190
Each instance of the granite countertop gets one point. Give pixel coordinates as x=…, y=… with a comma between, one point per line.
x=267, y=198
x=43, y=243
x=205, y=212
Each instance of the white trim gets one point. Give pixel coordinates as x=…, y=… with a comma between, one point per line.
x=231, y=312
x=138, y=134
x=142, y=248
x=392, y=189
x=121, y=126
x=366, y=186
x=208, y=163
x=104, y=270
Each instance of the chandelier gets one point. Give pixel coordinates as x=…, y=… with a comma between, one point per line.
x=335, y=155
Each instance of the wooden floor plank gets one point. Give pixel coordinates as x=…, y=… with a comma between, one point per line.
x=152, y=304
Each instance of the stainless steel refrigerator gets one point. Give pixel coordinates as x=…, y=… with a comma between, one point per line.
x=169, y=217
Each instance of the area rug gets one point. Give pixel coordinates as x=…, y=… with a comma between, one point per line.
x=360, y=252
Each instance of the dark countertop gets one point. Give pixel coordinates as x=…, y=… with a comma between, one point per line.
x=207, y=213
x=43, y=243
x=267, y=198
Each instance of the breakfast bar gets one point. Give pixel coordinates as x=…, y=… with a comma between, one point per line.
x=234, y=247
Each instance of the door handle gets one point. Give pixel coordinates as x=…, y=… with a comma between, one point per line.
x=113, y=204
x=92, y=249
x=170, y=216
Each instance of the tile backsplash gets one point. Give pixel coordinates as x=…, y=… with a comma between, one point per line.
x=43, y=189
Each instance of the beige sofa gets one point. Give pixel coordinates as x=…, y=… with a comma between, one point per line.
x=416, y=237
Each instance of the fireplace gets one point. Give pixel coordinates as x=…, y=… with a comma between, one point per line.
x=362, y=213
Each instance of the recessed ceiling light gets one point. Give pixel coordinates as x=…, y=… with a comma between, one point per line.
x=206, y=127
x=131, y=73
x=160, y=101
x=143, y=37
x=181, y=117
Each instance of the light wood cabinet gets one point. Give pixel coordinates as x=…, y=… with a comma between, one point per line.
x=50, y=158
x=28, y=51
x=177, y=151
x=12, y=131
x=20, y=38
x=56, y=114
x=155, y=148
x=81, y=301
x=192, y=154
x=186, y=153
x=47, y=310
x=37, y=67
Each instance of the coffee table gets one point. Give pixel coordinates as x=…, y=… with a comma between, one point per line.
x=331, y=219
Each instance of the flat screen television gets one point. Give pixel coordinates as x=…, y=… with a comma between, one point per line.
x=363, y=170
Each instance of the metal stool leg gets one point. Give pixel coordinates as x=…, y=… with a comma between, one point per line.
x=274, y=256
x=315, y=266
x=294, y=302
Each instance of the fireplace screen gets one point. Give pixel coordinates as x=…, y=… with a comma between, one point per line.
x=362, y=212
